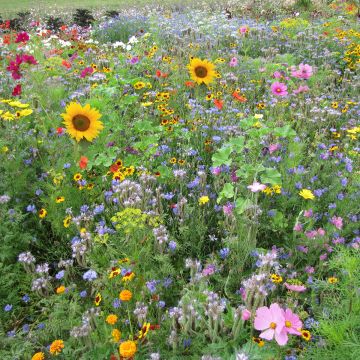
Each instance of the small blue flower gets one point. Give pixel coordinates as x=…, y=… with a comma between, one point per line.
x=224, y=253
x=83, y=293
x=26, y=298
x=8, y=307
x=60, y=274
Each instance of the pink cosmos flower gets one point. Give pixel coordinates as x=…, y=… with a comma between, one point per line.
x=321, y=232
x=295, y=288
x=337, y=221
x=233, y=62
x=272, y=322
x=304, y=71
x=245, y=315
x=292, y=323
x=279, y=89
x=256, y=187
x=277, y=75
x=301, y=89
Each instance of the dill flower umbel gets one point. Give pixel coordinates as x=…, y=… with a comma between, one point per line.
x=56, y=347
x=127, y=349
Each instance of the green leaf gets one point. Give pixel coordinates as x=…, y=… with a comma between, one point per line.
x=221, y=157
x=144, y=125
x=271, y=176
x=285, y=131
x=227, y=192
x=242, y=205
x=237, y=143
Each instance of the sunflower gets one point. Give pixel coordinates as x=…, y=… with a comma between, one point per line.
x=82, y=122
x=201, y=71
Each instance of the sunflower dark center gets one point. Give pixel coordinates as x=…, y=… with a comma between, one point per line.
x=201, y=71
x=81, y=122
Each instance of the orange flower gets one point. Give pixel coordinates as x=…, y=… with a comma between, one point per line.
x=56, y=347
x=189, y=84
x=60, y=289
x=111, y=319
x=125, y=295
x=127, y=349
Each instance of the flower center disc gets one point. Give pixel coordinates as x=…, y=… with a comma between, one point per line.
x=201, y=71
x=272, y=325
x=81, y=122
x=288, y=324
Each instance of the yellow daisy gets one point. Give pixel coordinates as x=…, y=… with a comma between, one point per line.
x=82, y=122
x=201, y=71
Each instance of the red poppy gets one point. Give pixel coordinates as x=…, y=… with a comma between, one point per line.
x=189, y=84
x=114, y=168
x=66, y=64
x=218, y=103
x=237, y=96
x=83, y=162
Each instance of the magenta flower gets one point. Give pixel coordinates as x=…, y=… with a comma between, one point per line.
x=337, y=221
x=256, y=187
x=274, y=147
x=292, y=323
x=277, y=75
x=295, y=288
x=298, y=227
x=271, y=321
x=304, y=71
x=87, y=71
x=279, y=89
x=22, y=37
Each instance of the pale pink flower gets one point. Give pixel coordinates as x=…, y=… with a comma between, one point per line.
x=233, y=62
x=304, y=71
x=256, y=187
x=298, y=227
x=274, y=147
x=337, y=221
x=245, y=315
x=279, y=89
x=310, y=269
x=244, y=30
x=321, y=232
x=295, y=288
x=311, y=234
x=292, y=323
x=323, y=257
x=277, y=75
x=301, y=89
x=308, y=213
x=271, y=321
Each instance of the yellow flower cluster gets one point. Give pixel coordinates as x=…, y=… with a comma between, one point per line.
x=14, y=110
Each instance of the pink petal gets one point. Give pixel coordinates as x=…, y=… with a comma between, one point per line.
x=267, y=334
x=281, y=338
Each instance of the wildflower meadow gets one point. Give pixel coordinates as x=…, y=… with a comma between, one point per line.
x=180, y=180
